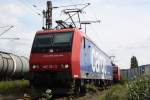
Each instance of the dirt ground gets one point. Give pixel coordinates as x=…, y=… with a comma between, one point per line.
x=20, y=96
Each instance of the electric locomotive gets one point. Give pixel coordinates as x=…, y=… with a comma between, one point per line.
x=66, y=59
x=116, y=74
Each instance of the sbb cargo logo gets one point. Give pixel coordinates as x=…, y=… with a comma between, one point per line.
x=98, y=62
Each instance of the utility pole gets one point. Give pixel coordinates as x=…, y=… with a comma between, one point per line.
x=89, y=22
x=47, y=15
x=85, y=25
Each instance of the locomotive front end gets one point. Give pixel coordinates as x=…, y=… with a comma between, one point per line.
x=51, y=52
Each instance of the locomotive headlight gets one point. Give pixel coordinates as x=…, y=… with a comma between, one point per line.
x=66, y=66
x=62, y=66
x=35, y=66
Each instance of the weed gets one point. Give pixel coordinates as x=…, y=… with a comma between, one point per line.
x=7, y=87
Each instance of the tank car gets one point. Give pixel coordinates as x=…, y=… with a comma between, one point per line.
x=13, y=66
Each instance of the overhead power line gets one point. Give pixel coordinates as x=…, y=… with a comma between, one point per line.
x=6, y=30
x=4, y=26
x=27, y=5
x=10, y=38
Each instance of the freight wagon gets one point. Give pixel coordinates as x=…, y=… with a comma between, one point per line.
x=133, y=72
x=13, y=66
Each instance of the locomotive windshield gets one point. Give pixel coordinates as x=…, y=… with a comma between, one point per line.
x=53, y=42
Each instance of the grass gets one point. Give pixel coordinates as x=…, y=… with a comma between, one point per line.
x=117, y=92
x=137, y=89
x=7, y=87
x=91, y=87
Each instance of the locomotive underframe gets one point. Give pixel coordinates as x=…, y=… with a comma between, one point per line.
x=61, y=83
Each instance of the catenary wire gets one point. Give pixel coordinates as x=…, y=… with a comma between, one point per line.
x=29, y=7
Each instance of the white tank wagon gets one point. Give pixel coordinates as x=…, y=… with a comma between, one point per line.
x=12, y=65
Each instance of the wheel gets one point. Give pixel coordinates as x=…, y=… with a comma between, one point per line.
x=83, y=90
x=77, y=90
x=77, y=87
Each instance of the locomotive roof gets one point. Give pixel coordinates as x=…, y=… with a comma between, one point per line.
x=56, y=30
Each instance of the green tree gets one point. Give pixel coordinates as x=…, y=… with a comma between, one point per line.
x=134, y=62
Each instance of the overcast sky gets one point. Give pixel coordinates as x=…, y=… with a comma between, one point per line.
x=124, y=30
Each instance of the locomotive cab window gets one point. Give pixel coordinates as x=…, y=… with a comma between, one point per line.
x=84, y=42
x=53, y=42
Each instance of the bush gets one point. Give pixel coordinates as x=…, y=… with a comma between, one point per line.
x=139, y=88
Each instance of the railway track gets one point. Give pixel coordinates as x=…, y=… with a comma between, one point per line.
x=21, y=95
